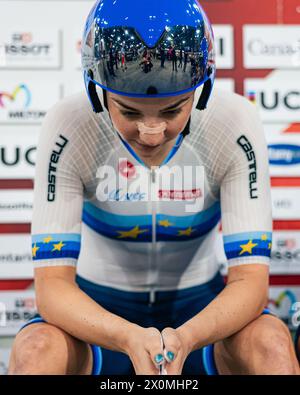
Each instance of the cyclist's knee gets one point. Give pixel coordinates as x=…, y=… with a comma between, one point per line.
x=39, y=349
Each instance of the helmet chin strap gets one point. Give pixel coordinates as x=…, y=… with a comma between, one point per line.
x=105, y=99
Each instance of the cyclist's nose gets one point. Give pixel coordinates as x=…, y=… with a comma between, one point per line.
x=152, y=133
x=151, y=127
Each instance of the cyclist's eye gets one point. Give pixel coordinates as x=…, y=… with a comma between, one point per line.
x=172, y=113
x=130, y=114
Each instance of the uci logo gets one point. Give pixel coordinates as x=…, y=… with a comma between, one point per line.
x=17, y=155
x=273, y=100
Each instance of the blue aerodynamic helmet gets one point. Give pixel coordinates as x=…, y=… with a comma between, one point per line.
x=156, y=48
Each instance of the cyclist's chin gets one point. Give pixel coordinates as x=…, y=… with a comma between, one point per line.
x=147, y=147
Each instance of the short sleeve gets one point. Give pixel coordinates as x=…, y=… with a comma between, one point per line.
x=246, y=193
x=58, y=193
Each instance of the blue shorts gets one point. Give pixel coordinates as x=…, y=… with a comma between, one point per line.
x=297, y=335
x=170, y=309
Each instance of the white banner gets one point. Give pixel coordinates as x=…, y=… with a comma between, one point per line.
x=226, y=84
x=285, y=203
x=16, y=206
x=224, y=42
x=272, y=46
x=285, y=253
x=277, y=96
x=19, y=307
x=18, y=151
x=284, y=149
x=74, y=40
x=28, y=47
x=75, y=84
x=24, y=101
x=283, y=301
x=4, y=360
x=15, y=257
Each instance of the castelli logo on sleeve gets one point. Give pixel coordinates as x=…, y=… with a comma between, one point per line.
x=127, y=169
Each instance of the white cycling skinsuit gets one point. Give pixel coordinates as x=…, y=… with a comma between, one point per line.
x=126, y=239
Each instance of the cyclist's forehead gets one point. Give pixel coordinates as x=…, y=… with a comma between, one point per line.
x=145, y=103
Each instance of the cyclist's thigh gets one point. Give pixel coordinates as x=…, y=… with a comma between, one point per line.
x=44, y=348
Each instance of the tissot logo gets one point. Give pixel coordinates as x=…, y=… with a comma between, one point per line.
x=22, y=43
x=23, y=38
x=34, y=48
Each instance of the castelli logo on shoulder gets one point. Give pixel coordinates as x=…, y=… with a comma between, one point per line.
x=127, y=169
x=284, y=154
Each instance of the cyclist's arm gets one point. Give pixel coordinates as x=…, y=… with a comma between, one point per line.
x=247, y=226
x=56, y=237
x=63, y=304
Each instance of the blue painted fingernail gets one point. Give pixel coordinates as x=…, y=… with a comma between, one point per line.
x=170, y=355
x=159, y=358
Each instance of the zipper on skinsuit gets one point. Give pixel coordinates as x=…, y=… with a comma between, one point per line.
x=153, y=249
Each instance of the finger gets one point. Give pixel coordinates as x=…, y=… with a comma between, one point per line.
x=156, y=350
x=143, y=365
x=169, y=356
x=172, y=344
x=176, y=366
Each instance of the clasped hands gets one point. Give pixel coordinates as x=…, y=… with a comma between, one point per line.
x=148, y=349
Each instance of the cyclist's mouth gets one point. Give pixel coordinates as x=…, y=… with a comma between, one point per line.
x=146, y=146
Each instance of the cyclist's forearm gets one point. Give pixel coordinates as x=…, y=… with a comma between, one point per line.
x=238, y=304
x=64, y=305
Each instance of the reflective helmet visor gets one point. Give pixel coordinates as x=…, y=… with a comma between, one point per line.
x=117, y=59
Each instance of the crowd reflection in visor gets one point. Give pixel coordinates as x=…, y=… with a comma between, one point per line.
x=183, y=57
